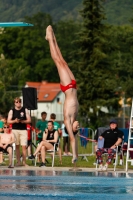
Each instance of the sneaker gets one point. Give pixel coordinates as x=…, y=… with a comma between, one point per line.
x=100, y=168
x=120, y=163
x=69, y=154
x=95, y=163
x=132, y=163
x=105, y=167
x=31, y=157
x=42, y=165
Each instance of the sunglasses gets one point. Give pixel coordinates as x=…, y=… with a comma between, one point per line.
x=17, y=101
x=6, y=126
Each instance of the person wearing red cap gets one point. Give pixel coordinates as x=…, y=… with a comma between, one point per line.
x=112, y=138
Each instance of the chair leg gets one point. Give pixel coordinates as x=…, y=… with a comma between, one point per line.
x=13, y=157
x=53, y=159
x=116, y=159
x=36, y=157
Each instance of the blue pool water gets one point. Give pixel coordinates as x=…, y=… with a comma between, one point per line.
x=38, y=185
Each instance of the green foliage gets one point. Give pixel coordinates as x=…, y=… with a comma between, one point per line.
x=118, y=12
x=7, y=82
x=95, y=75
x=29, y=44
x=16, y=10
x=122, y=57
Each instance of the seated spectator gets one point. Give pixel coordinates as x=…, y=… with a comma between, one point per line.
x=6, y=141
x=50, y=137
x=112, y=138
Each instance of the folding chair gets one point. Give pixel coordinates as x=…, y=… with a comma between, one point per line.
x=53, y=152
x=56, y=149
x=119, y=151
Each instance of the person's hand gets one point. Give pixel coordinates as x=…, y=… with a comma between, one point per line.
x=37, y=131
x=113, y=147
x=4, y=146
x=100, y=137
x=46, y=131
x=17, y=120
x=22, y=121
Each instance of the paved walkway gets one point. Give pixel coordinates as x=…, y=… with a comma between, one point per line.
x=64, y=169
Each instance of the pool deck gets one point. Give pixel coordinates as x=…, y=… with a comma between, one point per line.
x=33, y=168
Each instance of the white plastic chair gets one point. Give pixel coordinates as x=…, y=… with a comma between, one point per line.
x=53, y=152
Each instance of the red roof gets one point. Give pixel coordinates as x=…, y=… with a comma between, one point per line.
x=45, y=91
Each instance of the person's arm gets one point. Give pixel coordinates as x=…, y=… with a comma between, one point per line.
x=117, y=143
x=102, y=135
x=45, y=134
x=1, y=145
x=9, y=119
x=12, y=140
x=60, y=132
x=55, y=137
x=37, y=130
x=28, y=118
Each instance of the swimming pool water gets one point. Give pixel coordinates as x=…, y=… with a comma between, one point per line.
x=26, y=185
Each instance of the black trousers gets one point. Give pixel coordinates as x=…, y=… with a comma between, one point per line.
x=66, y=141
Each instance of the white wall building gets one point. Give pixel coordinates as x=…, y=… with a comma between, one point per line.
x=50, y=99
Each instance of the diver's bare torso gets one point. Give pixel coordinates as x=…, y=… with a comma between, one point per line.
x=71, y=103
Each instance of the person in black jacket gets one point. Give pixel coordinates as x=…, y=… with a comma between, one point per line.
x=112, y=138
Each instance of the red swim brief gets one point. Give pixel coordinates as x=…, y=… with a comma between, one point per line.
x=70, y=85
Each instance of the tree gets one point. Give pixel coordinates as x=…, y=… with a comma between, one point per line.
x=8, y=84
x=29, y=44
x=97, y=79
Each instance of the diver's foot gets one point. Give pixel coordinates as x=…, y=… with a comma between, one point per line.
x=49, y=33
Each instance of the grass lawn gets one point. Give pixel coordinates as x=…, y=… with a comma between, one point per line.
x=67, y=160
